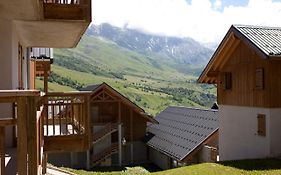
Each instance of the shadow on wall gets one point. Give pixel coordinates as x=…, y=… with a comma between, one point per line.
x=256, y=164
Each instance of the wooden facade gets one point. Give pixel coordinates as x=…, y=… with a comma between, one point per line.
x=255, y=78
x=110, y=108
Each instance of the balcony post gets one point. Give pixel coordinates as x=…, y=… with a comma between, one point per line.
x=22, y=136
x=32, y=137
x=120, y=143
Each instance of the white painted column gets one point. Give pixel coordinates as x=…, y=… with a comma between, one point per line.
x=120, y=143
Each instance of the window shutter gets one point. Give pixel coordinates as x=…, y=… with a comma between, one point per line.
x=259, y=78
x=227, y=81
x=261, y=125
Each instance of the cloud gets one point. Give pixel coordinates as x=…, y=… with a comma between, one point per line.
x=203, y=20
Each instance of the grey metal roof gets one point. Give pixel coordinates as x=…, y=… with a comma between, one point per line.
x=91, y=87
x=181, y=130
x=267, y=39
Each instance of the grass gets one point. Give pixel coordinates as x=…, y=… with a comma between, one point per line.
x=149, y=81
x=242, y=167
x=135, y=88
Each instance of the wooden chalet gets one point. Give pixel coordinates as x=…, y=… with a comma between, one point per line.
x=246, y=69
x=33, y=123
x=183, y=136
x=118, y=128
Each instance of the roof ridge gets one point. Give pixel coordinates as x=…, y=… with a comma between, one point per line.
x=256, y=27
x=193, y=108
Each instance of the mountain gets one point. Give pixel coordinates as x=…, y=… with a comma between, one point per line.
x=145, y=71
x=180, y=53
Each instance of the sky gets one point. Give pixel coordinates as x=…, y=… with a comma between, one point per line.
x=206, y=21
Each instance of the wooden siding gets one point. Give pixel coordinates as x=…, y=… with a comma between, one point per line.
x=107, y=111
x=243, y=64
x=275, y=83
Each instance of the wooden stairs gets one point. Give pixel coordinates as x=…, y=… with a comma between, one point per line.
x=104, y=154
x=100, y=135
x=108, y=129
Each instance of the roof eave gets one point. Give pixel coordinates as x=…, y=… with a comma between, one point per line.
x=203, y=77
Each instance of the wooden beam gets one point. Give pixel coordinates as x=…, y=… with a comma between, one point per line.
x=212, y=73
x=44, y=164
x=70, y=143
x=119, y=112
x=22, y=137
x=45, y=79
x=32, y=137
x=8, y=122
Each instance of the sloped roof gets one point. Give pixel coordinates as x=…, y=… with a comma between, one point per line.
x=267, y=39
x=181, y=130
x=91, y=87
x=264, y=41
x=96, y=87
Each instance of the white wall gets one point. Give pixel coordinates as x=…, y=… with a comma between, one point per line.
x=9, y=67
x=159, y=159
x=238, y=138
x=275, y=132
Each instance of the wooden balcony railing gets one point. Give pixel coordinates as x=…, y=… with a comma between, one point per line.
x=28, y=129
x=66, y=120
x=4, y=122
x=67, y=9
x=65, y=114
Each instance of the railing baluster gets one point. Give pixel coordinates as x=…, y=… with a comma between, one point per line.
x=72, y=118
x=59, y=115
x=66, y=114
x=2, y=150
x=53, y=116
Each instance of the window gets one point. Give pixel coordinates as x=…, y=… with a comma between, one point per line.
x=227, y=81
x=261, y=125
x=259, y=79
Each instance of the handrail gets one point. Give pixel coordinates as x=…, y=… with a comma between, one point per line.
x=61, y=1
x=104, y=131
x=67, y=9
x=105, y=153
x=8, y=122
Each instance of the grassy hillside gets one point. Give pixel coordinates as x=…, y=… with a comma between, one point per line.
x=244, y=167
x=150, y=83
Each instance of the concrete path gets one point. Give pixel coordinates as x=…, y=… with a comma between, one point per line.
x=55, y=171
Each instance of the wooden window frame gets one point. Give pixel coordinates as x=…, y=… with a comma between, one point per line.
x=259, y=79
x=20, y=66
x=261, y=128
x=227, y=81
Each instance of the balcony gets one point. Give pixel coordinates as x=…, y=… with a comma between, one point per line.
x=67, y=9
x=50, y=123
x=66, y=121
x=50, y=23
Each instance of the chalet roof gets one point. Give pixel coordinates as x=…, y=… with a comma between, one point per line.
x=181, y=130
x=96, y=87
x=267, y=39
x=91, y=87
x=264, y=41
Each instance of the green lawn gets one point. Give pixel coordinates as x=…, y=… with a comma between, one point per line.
x=244, y=167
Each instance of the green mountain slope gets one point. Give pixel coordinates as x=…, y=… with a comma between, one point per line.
x=151, y=83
